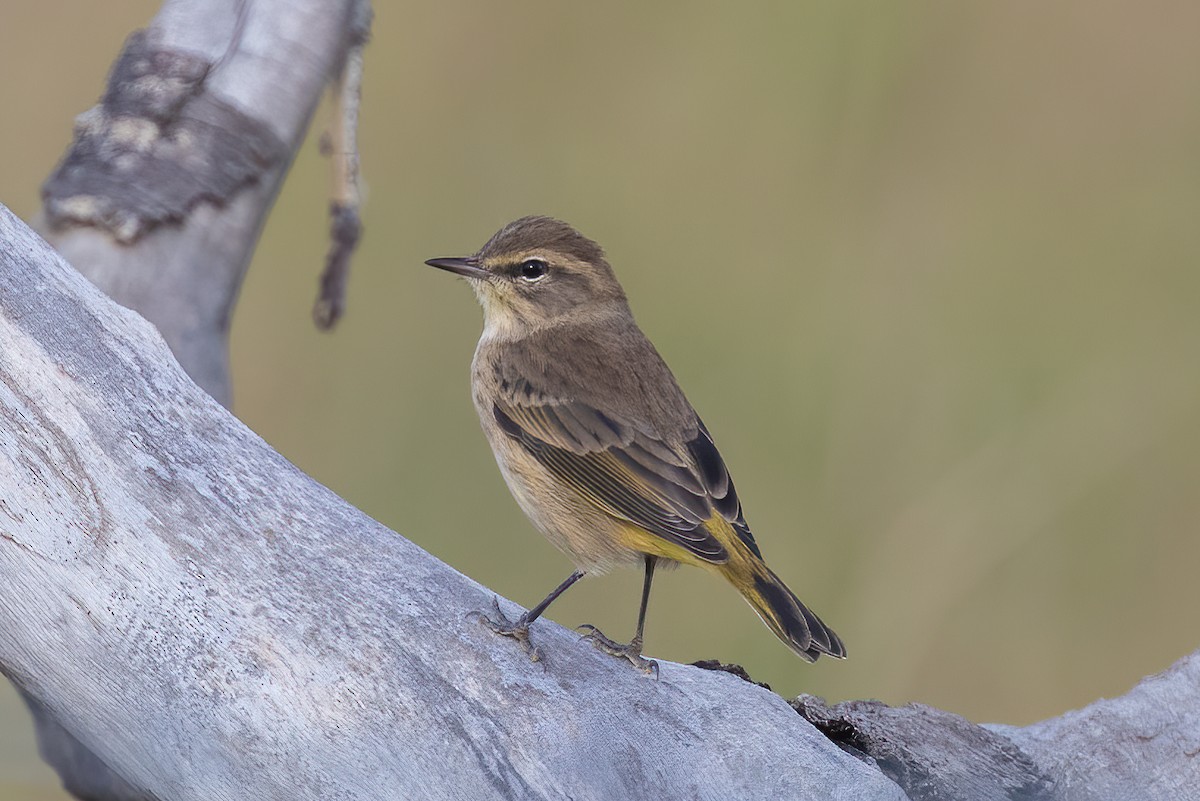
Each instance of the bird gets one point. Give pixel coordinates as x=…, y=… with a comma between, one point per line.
x=596, y=441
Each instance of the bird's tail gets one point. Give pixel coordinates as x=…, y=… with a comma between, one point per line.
x=780, y=609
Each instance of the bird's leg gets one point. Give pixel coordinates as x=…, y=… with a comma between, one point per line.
x=633, y=649
x=519, y=629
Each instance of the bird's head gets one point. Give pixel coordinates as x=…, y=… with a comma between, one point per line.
x=538, y=272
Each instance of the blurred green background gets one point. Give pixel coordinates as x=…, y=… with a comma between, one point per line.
x=928, y=270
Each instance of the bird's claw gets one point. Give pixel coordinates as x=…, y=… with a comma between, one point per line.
x=516, y=629
x=631, y=651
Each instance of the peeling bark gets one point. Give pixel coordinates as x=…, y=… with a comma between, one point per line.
x=161, y=198
x=157, y=146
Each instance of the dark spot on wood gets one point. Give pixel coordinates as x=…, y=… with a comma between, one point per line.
x=736, y=670
x=156, y=146
x=933, y=755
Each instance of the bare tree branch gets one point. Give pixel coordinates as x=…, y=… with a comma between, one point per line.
x=191, y=617
x=212, y=624
x=341, y=146
x=1143, y=745
x=162, y=196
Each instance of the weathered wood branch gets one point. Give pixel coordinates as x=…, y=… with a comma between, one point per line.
x=163, y=193
x=190, y=617
x=162, y=196
x=1143, y=745
x=209, y=623
x=213, y=624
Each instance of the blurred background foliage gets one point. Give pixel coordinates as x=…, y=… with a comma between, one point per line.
x=928, y=270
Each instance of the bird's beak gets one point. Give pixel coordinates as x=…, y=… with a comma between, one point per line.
x=467, y=267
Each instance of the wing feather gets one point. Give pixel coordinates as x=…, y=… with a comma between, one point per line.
x=670, y=491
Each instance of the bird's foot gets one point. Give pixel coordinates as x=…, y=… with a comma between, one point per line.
x=631, y=651
x=517, y=629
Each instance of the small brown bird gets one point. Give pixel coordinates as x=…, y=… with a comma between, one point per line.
x=595, y=439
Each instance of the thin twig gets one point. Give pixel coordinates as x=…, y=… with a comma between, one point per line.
x=341, y=145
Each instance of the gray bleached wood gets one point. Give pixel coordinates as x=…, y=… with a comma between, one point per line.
x=162, y=195
x=213, y=624
x=933, y=755
x=1144, y=745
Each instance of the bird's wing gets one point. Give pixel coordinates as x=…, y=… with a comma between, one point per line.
x=672, y=492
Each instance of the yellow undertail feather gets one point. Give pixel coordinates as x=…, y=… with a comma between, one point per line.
x=780, y=609
x=793, y=622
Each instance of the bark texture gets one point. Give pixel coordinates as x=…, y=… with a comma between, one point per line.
x=1143, y=745
x=190, y=617
x=932, y=754
x=210, y=623
x=204, y=621
x=162, y=195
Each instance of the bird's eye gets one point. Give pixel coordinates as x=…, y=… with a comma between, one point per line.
x=533, y=269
